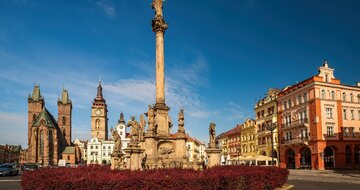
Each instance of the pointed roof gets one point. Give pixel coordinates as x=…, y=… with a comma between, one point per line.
x=46, y=117
x=64, y=99
x=99, y=96
x=121, y=120
x=36, y=95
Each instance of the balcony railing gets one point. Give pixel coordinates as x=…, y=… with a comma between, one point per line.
x=297, y=123
x=301, y=140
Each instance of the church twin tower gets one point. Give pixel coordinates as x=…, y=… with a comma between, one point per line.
x=47, y=137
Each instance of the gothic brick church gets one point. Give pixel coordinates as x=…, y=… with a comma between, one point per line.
x=47, y=137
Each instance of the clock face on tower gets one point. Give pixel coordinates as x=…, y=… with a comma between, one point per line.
x=98, y=112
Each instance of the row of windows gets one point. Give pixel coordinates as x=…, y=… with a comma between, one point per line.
x=104, y=148
x=329, y=113
x=300, y=99
x=261, y=114
x=352, y=114
x=331, y=95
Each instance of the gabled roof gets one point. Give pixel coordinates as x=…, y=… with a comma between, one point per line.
x=47, y=117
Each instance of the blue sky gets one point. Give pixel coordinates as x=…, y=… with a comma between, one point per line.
x=220, y=56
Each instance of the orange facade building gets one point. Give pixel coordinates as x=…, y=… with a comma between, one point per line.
x=319, y=123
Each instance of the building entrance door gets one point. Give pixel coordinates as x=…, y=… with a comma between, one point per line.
x=305, y=159
x=329, y=158
x=290, y=163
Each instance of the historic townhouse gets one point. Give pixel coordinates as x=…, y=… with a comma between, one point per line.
x=195, y=150
x=248, y=141
x=222, y=141
x=319, y=123
x=234, y=144
x=266, y=115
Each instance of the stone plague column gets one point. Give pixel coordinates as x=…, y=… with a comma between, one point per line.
x=159, y=26
x=212, y=151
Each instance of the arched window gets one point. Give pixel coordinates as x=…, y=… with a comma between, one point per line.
x=332, y=95
x=97, y=124
x=68, y=157
x=290, y=103
x=41, y=143
x=344, y=97
x=323, y=94
x=305, y=97
x=351, y=97
x=299, y=99
x=63, y=120
x=358, y=96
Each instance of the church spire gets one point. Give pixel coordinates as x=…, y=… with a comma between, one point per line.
x=36, y=95
x=64, y=99
x=99, y=96
x=121, y=120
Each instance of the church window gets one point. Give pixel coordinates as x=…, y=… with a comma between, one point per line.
x=41, y=143
x=64, y=120
x=51, y=144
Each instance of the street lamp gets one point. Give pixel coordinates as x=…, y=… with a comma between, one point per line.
x=271, y=128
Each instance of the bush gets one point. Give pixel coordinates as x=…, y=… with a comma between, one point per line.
x=97, y=177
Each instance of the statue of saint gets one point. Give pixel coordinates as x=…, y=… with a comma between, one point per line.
x=151, y=119
x=212, y=135
x=142, y=127
x=181, y=121
x=135, y=127
x=117, y=139
x=157, y=6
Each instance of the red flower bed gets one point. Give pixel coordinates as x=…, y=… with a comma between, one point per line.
x=97, y=177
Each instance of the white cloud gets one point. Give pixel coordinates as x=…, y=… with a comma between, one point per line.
x=107, y=7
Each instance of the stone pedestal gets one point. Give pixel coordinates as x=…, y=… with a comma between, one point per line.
x=134, y=156
x=162, y=120
x=213, y=156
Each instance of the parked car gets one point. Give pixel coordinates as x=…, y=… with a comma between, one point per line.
x=29, y=167
x=8, y=169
